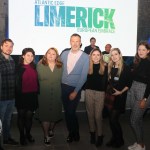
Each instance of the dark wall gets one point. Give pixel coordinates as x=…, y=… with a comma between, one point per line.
x=143, y=32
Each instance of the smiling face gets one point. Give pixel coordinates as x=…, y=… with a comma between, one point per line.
x=51, y=56
x=7, y=48
x=115, y=56
x=142, y=51
x=96, y=56
x=28, y=58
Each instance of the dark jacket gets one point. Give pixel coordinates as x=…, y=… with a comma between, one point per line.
x=142, y=74
x=88, y=49
x=124, y=80
x=18, y=80
x=28, y=101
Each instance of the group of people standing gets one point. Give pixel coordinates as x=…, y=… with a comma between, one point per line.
x=58, y=79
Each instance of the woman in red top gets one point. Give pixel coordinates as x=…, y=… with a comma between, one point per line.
x=26, y=94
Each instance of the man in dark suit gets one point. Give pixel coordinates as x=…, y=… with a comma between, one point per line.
x=92, y=45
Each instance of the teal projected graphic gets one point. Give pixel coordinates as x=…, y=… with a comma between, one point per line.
x=83, y=18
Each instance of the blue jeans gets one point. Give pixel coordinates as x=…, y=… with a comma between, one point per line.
x=6, y=110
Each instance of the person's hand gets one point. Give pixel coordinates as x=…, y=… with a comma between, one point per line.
x=116, y=92
x=142, y=104
x=73, y=95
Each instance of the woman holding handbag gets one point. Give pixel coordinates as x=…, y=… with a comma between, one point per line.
x=119, y=83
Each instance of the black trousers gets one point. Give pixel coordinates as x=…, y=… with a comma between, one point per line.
x=70, y=107
x=117, y=134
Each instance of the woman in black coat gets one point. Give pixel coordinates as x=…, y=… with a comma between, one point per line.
x=26, y=94
x=119, y=78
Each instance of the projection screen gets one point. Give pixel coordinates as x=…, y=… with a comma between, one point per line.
x=42, y=24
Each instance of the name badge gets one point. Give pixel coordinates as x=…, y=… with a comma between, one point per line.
x=116, y=78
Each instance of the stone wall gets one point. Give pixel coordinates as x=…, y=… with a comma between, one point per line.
x=143, y=32
x=3, y=18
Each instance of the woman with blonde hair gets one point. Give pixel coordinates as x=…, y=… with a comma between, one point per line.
x=95, y=93
x=119, y=79
x=50, y=107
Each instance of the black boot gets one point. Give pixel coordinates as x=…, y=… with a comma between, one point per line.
x=111, y=142
x=30, y=138
x=23, y=141
x=118, y=143
x=99, y=141
x=70, y=138
x=76, y=137
x=93, y=139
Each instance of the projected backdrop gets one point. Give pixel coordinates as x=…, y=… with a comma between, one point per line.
x=41, y=24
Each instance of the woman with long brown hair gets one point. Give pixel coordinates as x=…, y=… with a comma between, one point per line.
x=94, y=94
x=140, y=93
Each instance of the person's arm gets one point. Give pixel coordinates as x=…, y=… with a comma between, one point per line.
x=81, y=80
x=120, y=92
x=143, y=101
x=147, y=90
x=83, y=75
x=127, y=80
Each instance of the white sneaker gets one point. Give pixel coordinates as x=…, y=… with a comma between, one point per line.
x=139, y=147
x=131, y=147
x=47, y=141
x=51, y=134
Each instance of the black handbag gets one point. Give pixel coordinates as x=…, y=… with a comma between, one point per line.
x=109, y=98
x=110, y=89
